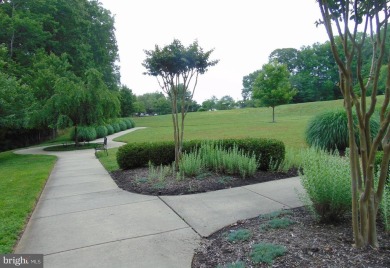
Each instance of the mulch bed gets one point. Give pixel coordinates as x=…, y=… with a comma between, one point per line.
x=137, y=180
x=308, y=244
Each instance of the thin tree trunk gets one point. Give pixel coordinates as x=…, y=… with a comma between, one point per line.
x=273, y=114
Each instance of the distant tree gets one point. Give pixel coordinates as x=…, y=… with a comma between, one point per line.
x=247, y=83
x=155, y=103
x=288, y=56
x=210, y=104
x=225, y=103
x=176, y=65
x=272, y=87
x=127, y=99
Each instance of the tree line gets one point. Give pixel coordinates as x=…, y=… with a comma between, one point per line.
x=58, y=67
x=313, y=72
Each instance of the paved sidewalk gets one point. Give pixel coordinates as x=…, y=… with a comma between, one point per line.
x=84, y=220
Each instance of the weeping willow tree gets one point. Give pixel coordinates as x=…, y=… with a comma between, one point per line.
x=350, y=25
x=177, y=69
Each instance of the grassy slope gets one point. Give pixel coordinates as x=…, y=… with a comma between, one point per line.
x=22, y=180
x=291, y=121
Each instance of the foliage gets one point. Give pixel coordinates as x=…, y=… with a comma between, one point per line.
x=133, y=155
x=239, y=235
x=178, y=68
x=128, y=123
x=247, y=83
x=84, y=133
x=277, y=223
x=237, y=264
x=191, y=164
x=357, y=80
x=110, y=129
x=101, y=131
x=18, y=194
x=154, y=103
x=122, y=124
x=329, y=130
x=272, y=86
x=116, y=127
x=127, y=99
x=385, y=208
x=266, y=252
x=326, y=179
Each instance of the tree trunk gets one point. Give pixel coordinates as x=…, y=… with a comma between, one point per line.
x=273, y=114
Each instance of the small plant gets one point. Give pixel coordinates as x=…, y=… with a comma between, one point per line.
x=191, y=164
x=239, y=235
x=142, y=180
x=385, y=208
x=327, y=181
x=237, y=264
x=291, y=160
x=277, y=223
x=275, y=214
x=159, y=173
x=266, y=252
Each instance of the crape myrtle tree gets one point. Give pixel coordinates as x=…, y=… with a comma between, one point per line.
x=177, y=68
x=272, y=86
x=344, y=18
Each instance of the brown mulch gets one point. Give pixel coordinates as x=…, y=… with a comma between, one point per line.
x=308, y=244
x=138, y=181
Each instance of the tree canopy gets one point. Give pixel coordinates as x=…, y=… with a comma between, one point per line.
x=272, y=86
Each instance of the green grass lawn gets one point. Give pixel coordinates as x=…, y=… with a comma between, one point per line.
x=291, y=121
x=22, y=180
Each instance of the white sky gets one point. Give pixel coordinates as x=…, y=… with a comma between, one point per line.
x=243, y=34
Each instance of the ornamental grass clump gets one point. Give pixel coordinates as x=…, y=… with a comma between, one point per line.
x=266, y=252
x=231, y=161
x=191, y=164
x=327, y=181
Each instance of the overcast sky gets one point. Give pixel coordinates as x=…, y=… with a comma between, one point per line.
x=243, y=34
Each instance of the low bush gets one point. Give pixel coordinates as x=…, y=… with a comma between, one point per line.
x=385, y=208
x=101, y=131
x=327, y=180
x=329, y=130
x=128, y=123
x=122, y=125
x=116, y=127
x=110, y=129
x=84, y=133
x=135, y=155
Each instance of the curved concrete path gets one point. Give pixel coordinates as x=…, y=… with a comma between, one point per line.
x=83, y=219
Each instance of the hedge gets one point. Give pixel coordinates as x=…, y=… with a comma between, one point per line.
x=134, y=155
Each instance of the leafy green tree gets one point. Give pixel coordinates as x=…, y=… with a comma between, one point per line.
x=272, y=87
x=177, y=66
x=345, y=17
x=225, y=103
x=83, y=103
x=210, y=104
x=247, y=83
x=127, y=99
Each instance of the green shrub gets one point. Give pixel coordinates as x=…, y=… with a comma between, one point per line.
x=132, y=122
x=139, y=154
x=101, y=131
x=128, y=123
x=378, y=161
x=327, y=181
x=84, y=133
x=277, y=223
x=110, y=129
x=385, y=208
x=202, y=109
x=329, y=130
x=122, y=125
x=265, y=252
x=116, y=127
x=191, y=164
x=239, y=235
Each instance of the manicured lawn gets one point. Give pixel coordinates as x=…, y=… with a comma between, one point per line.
x=22, y=180
x=291, y=121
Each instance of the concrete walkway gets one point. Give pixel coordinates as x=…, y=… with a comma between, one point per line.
x=84, y=220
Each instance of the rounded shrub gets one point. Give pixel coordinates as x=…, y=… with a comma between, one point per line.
x=101, y=131
x=116, y=127
x=128, y=123
x=202, y=109
x=84, y=133
x=110, y=129
x=329, y=130
x=122, y=125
